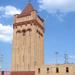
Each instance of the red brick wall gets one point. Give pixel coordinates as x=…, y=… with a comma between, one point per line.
x=23, y=73
x=7, y=73
x=18, y=73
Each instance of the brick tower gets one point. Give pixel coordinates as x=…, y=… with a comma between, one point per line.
x=28, y=40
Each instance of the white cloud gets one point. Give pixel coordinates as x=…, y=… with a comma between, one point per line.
x=8, y=11
x=72, y=57
x=54, y=6
x=6, y=33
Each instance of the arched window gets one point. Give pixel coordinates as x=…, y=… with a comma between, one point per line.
x=67, y=69
x=23, y=32
x=48, y=70
x=38, y=70
x=57, y=70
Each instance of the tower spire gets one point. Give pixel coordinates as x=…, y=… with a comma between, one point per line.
x=27, y=10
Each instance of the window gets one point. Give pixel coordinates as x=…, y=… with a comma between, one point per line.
x=31, y=24
x=57, y=70
x=24, y=32
x=47, y=70
x=2, y=72
x=67, y=69
x=18, y=31
x=38, y=70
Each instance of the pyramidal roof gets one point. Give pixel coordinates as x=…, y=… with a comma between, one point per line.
x=29, y=8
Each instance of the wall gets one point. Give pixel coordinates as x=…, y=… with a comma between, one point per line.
x=51, y=69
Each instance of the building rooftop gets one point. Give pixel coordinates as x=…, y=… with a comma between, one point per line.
x=27, y=11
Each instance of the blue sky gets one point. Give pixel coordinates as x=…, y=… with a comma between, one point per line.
x=59, y=16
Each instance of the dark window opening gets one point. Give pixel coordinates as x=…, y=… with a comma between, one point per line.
x=2, y=72
x=23, y=30
x=18, y=31
x=67, y=69
x=36, y=30
x=38, y=70
x=23, y=34
x=31, y=24
x=57, y=70
x=47, y=70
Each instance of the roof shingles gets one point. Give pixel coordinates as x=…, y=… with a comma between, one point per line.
x=27, y=11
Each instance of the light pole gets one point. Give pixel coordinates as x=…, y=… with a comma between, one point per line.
x=56, y=53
